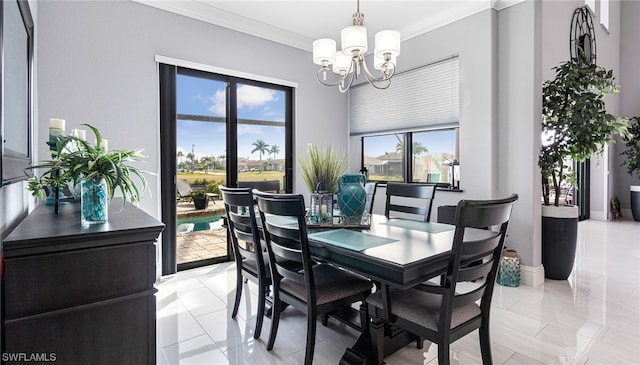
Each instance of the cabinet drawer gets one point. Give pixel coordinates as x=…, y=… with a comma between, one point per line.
x=120, y=331
x=41, y=283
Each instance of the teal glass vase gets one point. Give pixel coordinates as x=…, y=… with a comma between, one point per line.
x=509, y=269
x=351, y=198
x=94, y=201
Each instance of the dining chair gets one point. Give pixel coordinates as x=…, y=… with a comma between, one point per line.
x=412, y=201
x=313, y=288
x=250, y=256
x=447, y=312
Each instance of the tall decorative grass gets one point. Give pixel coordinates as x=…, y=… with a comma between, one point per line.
x=321, y=168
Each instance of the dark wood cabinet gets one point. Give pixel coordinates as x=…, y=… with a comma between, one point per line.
x=82, y=294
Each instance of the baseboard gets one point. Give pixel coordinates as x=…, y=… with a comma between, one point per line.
x=597, y=215
x=532, y=276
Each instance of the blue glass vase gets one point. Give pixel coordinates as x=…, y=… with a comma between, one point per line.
x=509, y=269
x=351, y=198
x=94, y=201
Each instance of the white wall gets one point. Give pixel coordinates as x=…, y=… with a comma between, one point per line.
x=97, y=65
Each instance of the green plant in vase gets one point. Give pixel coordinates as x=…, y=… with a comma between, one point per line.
x=575, y=122
x=321, y=168
x=99, y=172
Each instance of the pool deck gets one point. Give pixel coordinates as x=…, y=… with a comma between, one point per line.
x=198, y=245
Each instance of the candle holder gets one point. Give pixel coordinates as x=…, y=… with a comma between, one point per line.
x=321, y=209
x=56, y=193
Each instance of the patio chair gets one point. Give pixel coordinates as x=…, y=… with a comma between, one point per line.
x=183, y=191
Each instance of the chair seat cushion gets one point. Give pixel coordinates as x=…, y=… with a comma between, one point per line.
x=251, y=265
x=422, y=308
x=331, y=284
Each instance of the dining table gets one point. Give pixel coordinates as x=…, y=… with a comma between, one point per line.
x=392, y=252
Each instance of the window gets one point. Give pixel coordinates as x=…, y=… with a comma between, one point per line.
x=433, y=156
x=383, y=157
x=591, y=4
x=604, y=14
x=420, y=110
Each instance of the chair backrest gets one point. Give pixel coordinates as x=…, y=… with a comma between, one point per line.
x=243, y=229
x=370, y=188
x=182, y=187
x=412, y=201
x=285, y=233
x=469, y=246
x=269, y=186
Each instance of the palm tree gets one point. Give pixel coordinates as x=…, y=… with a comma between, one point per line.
x=180, y=155
x=275, y=149
x=206, y=162
x=191, y=157
x=418, y=149
x=261, y=147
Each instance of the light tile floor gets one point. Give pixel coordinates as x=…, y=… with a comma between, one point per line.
x=591, y=319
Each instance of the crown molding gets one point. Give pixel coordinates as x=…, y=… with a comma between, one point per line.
x=212, y=15
x=196, y=9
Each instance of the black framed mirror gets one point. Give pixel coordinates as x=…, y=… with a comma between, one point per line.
x=16, y=69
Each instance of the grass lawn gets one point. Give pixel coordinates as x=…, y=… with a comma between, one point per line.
x=221, y=177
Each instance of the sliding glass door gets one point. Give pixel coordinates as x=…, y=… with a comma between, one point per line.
x=216, y=130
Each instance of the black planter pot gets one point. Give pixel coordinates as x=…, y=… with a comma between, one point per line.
x=635, y=202
x=559, y=240
x=199, y=201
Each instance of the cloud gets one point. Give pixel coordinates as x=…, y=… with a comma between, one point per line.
x=252, y=96
x=219, y=106
x=248, y=129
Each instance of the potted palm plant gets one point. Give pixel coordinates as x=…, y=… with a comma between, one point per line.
x=632, y=162
x=98, y=171
x=321, y=168
x=575, y=126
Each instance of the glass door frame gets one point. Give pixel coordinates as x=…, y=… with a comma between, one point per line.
x=168, y=122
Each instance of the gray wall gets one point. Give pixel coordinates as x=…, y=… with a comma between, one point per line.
x=629, y=96
x=97, y=65
x=519, y=104
x=472, y=38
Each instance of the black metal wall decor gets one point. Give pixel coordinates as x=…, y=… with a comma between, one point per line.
x=582, y=38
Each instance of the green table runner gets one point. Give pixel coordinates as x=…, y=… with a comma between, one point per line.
x=352, y=240
x=420, y=226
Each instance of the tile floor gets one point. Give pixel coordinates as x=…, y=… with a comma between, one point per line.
x=591, y=319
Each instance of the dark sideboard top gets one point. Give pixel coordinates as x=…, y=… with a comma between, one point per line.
x=43, y=231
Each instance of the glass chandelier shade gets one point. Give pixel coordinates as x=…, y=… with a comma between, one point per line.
x=354, y=39
x=349, y=62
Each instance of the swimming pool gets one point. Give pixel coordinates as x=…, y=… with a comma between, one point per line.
x=200, y=223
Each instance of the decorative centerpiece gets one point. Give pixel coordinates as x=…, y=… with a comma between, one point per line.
x=99, y=173
x=351, y=198
x=321, y=168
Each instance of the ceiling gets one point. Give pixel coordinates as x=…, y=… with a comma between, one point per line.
x=298, y=23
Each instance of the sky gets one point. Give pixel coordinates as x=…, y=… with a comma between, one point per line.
x=208, y=97
x=434, y=141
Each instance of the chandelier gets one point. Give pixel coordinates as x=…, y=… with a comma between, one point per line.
x=349, y=62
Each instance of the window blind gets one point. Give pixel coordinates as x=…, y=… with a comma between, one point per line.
x=423, y=98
